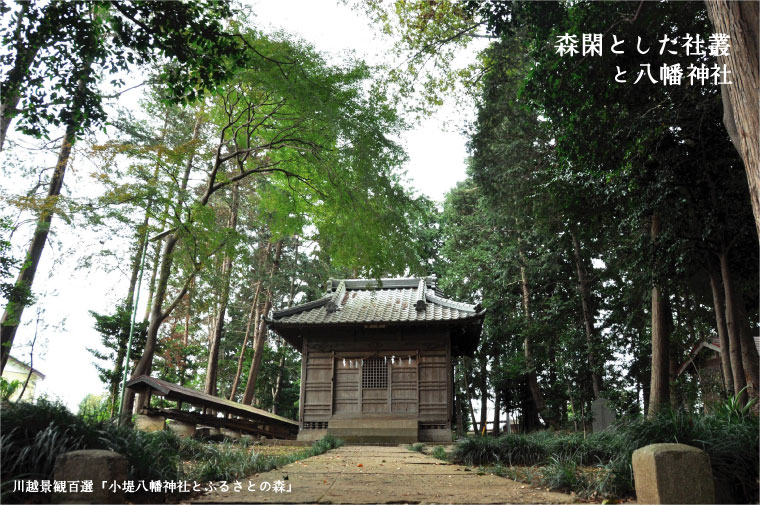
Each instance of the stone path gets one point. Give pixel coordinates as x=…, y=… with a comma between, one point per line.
x=375, y=474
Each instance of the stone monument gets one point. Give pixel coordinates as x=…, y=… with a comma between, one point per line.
x=604, y=416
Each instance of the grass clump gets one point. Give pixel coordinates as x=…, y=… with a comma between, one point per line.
x=35, y=434
x=418, y=447
x=730, y=440
x=562, y=474
x=440, y=453
x=229, y=460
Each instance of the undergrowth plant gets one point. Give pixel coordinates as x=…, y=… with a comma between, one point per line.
x=35, y=434
x=440, y=453
x=418, y=447
x=731, y=442
x=229, y=460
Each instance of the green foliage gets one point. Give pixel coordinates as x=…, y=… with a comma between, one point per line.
x=35, y=434
x=94, y=408
x=732, y=409
x=418, y=447
x=114, y=337
x=59, y=50
x=229, y=460
x=8, y=289
x=8, y=388
x=563, y=155
x=439, y=453
x=225, y=460
x=561, y=474
x=731, y=444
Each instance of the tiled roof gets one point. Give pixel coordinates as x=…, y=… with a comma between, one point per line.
x=361, y=301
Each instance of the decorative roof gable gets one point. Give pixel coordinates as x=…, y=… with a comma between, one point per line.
x=387, y=301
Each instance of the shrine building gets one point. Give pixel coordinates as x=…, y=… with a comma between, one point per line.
x=377, y=359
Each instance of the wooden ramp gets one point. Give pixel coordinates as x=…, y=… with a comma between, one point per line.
x=236, y=416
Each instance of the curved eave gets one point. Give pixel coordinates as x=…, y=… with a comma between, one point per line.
x=291, y=332
x=274, y=322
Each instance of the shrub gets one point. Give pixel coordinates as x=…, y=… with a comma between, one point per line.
x=35, y=434
x=508, y=449
x=418, y=447
x=731, y=442
x=561, y=474
x=440, y=453
x=228, y=460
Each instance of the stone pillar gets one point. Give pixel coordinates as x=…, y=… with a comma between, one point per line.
x=672, y=473
x=149, y=423
x=91, y=465
x=181, y=429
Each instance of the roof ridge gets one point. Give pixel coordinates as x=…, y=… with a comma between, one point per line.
x=383, y=283
x=302, y=307
x=446, y=302
x=332, y=305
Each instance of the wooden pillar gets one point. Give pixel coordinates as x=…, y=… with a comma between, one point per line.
x=389, y=388
x=332, y=382
x=304, y=357
x=449, y=381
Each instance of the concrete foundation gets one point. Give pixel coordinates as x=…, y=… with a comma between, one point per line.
x=436, y=435
x=230, y=433
x=364, y=431
x=311, y=435
x=182, y=430
x=672, y=473
x=96, y=466
x=149, y=423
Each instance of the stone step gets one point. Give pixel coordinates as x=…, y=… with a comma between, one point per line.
x=400, y=431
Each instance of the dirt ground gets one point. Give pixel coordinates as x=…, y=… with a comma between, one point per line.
x=376, y=474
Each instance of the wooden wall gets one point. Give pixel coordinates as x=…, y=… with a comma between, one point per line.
x=422, y=390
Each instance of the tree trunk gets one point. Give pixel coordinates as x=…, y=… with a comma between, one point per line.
x=31, y=359
x=496, y=397
x=281, y=365
x=123, y=343
x=740, y=20
x=588, y=318
x=188, y=313
x=659, y=388
x=749, y=351
x=213, y=357
x=468, y=394
x=15, y=308
x=532, y=376
x=720, y=323
x=732, y=326
x=496, y=412
x=251, y=322
x=157, y=314
x=461, y=414
x=278, y=381
x=25, y=54
x=260, y=333
x=152, y=284
x=483, y=393
x=145, y=364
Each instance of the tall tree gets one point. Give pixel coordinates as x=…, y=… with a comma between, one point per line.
x=224, y=298
x=741, y=22
x=58, y=50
